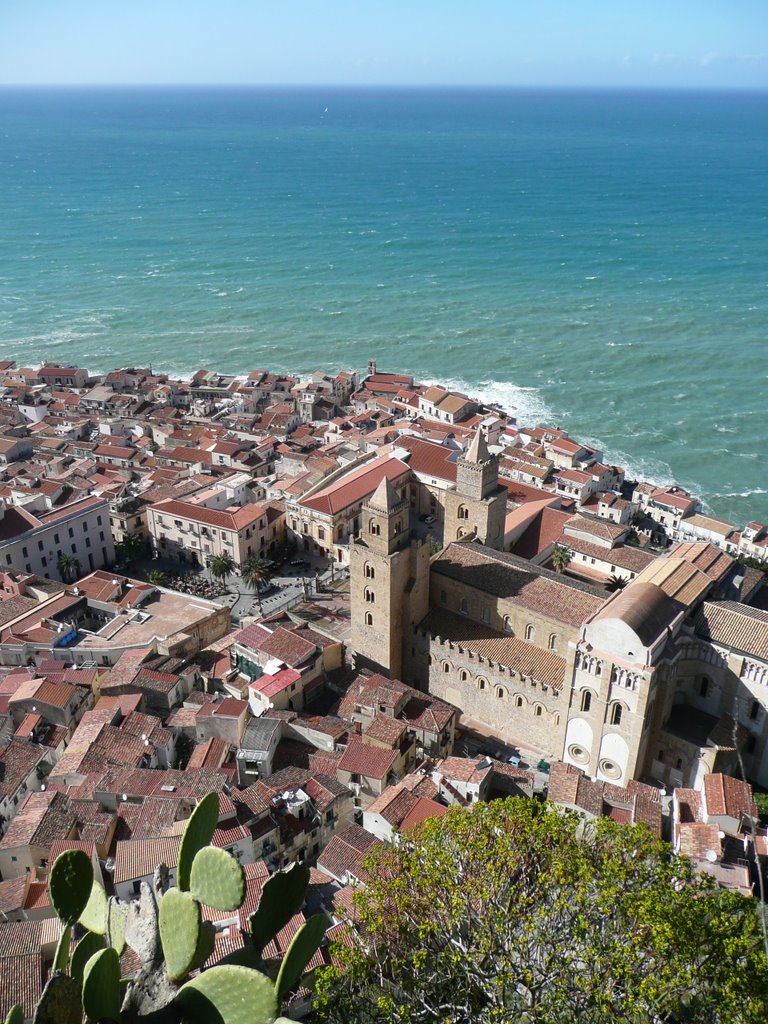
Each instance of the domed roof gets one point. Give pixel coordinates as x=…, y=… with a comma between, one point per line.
x=644, y=608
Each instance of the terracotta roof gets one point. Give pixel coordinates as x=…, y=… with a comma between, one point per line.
x=734, y=625
x=363, y=759
x=729, y=797
x=421, y=811
x=345, y=851
x=355, y=486
x=235, y=520
x=711, y=560
x=512, y=651
x=137, y=858
x=507, y=576
x=17, y=762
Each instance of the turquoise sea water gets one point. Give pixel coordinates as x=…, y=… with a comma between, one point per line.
x=599, y=260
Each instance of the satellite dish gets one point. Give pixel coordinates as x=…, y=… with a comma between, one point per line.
x=721, y=835
x=711, y=856
x=662, y=792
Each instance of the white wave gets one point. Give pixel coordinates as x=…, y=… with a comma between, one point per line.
x=740, y=494
x=725, y=430
x=526, y=404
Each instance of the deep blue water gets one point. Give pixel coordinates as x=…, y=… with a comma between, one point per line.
x=596, y=259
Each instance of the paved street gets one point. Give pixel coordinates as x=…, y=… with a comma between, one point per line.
x=290, y=583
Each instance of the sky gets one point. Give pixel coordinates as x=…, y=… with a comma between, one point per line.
x=608, y=43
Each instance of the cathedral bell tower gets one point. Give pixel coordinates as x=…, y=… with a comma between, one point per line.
x=389, y=582
x=478, y=504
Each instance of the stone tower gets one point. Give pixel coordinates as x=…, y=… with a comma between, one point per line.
x=478, y=505
x=389, y=582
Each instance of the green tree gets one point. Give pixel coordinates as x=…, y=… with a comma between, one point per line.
x=253, y=574
x=222, y=566
x=513, y=911
x=616, y=583
x=561, y=557
x=68, y=566
x=158, y=577
x=130, y=548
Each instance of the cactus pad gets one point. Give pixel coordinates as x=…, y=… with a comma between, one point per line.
x=69, y=884
x=88, y=946
x=305, y=944
x=217, y=879
x=94, y=915
x=232, y=995
x=206, y=944
x=179, y=920
x=116, y=918
x=198, y=833
x=15, y=1015
x=61, y=956
x=101, y=986
x=281, y=898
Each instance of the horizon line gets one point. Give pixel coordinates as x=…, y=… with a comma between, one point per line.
x=381, y=86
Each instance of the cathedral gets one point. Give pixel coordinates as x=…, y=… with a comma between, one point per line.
x=666, y=679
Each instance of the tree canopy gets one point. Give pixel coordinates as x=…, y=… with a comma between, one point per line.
x=514, y=911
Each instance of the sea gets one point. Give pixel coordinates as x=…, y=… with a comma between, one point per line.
x=593, y=259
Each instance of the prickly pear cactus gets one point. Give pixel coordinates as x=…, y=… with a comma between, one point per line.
x=101, y=986
x=303, y=947
x=197, y=834
x=88, y=946
x=15, y=1015
x=281, y=898
x=235, y=995
x=69, y=884
x=179, y=920
x=116, y=921
x=61, y=957
x=94, y=913
x=217, y=879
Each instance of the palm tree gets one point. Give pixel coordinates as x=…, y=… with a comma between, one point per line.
x=561, y=557
x=158, y=578
x=253, y=574
x=221, y=566
x=616, y=583
x=68, y=566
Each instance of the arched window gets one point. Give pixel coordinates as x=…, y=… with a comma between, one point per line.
x=500, y=693
x=368, y=619
x=374, y=528
x=398, y=526
x=370, y=597
x=557, y=719
x=586, y=701
x=518, y=701
x=530, y=632
x=464, y=606
x=446, y=666
x=463, y=512
x=481, y=683
x=507, y=624
x=552, y=642
x=616, y=712
x=370, y=572
x=463, y=675
x=703, y=686
x=538, y=710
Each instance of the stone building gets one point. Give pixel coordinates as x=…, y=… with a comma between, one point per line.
x=664, y=680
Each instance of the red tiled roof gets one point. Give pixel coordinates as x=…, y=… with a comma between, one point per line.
x=364, y=759
x=355, y=486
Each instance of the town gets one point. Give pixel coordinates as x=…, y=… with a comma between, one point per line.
x=346, y=603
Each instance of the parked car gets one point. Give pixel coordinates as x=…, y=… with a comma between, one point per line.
x=300, y=563
x=430, y=519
